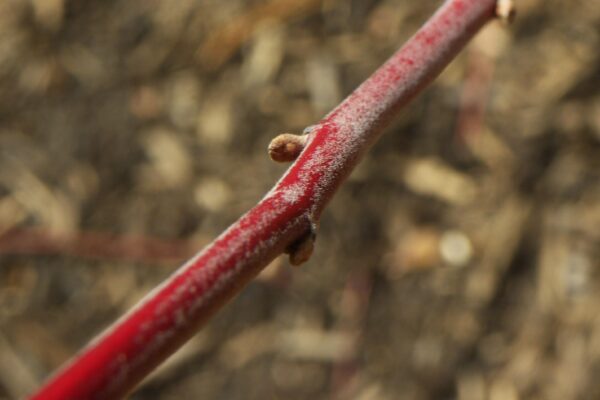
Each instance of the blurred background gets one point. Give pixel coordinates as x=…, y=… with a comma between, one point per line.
x=460, y=261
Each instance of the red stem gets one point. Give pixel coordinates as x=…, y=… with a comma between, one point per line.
x=121, y=357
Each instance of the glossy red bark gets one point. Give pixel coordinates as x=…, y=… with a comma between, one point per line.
x=111, y=366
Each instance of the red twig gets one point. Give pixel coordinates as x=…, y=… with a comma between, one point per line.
x=116, y=361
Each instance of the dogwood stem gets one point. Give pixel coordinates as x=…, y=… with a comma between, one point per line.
x=286, y=218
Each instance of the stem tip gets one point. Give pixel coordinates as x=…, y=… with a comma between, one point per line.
x=506, y=10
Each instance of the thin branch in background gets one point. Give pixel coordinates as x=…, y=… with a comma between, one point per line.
x=96, y=245
x=354, y=305
x=475, y=94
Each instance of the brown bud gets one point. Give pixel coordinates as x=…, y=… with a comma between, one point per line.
x=286, y=147
x=301, y=251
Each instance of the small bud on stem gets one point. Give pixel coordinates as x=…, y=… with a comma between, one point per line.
x=301, y=250
x=506, y=10
x=286, y=147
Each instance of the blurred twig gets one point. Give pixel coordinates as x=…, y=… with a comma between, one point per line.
x=96, y=245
